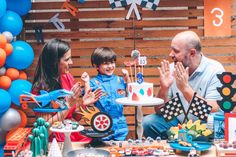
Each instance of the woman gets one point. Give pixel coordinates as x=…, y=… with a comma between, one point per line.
x=52, y=73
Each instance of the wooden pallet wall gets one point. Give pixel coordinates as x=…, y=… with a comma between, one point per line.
x=96, y=24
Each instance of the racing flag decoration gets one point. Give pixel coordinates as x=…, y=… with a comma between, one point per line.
x=172, y=108
x=199, y=108
x=151, y=4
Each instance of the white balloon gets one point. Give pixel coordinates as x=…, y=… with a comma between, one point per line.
x=8, y=35
x=10, y=120
x=2, y=71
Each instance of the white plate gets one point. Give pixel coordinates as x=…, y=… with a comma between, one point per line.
x=146, y=102
x=80, y=128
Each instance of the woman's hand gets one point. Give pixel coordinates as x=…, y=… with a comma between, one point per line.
x=90, y=97
x=77, y=91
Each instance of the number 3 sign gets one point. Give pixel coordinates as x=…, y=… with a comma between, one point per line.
x=217, y=17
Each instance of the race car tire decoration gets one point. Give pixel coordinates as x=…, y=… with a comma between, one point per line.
x=101, y=122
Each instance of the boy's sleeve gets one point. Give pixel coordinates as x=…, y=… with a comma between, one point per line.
x=93, y=84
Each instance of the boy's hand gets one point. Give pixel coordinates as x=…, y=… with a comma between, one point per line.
x=125, y=75
x=85, y=77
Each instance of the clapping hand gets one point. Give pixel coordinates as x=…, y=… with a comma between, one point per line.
x=166, y=78
x=90, y=97
x=126, y=75
x=181, y=75
x=77, y=91
x=85, y=77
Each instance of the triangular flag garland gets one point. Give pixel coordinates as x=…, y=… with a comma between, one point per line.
x=54, y=150
x=172, y=108
x=151, y=4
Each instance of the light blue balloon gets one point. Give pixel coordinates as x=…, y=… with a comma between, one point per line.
x=3, y=7
x=21, y=7
x=11, y=22
x=5, y=101
x=21, y=57
x=17, y=88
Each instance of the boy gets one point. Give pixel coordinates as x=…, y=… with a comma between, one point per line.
x=113, y=87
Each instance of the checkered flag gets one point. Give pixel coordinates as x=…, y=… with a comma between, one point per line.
x=172, y=108
x=199, y=108
x=151, y=4
x=119, y=3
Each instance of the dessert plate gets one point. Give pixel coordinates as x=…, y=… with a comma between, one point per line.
x=201, y=146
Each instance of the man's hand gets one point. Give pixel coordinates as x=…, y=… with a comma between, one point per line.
x=90, y=97
x=181, y=76
x=166, y=78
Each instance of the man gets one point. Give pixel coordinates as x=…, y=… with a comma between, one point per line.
x=190, y=72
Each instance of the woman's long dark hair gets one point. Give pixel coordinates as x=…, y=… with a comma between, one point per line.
x=47, y=75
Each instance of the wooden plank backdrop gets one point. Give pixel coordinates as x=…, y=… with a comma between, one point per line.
x=96, y=24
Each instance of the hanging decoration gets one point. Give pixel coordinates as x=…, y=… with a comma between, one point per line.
x=151, y=4
x=73, y=10
x=55, y=20
x=39, y=34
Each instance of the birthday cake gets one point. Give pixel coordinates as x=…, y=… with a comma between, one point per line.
x=137, y=92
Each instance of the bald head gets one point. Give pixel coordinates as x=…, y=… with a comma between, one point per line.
x=190, y=39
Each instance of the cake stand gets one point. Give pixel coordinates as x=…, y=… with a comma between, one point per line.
x=67, y=142
x=139, y=104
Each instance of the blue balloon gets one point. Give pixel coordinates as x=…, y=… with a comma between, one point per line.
x=18, y=87
x=3, y=7
x=21, y=7
x=1, y=150
x=21, y=57
x=11, y=22
x=5, y=101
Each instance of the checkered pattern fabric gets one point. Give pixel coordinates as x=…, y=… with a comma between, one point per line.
x=172, y=108
x=119, y=3
x=199, y=108
x=151, y=4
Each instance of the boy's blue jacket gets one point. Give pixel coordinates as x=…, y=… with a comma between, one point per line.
x=113, y=87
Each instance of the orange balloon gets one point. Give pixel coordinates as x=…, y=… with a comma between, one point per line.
x=8, y=49
x=5, y=82
x=23, y=117
x=3, y=41
x=12, y=73
x=2, y=57
x=22, y=75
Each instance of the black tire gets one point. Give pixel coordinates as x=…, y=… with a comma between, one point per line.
x=104, y=128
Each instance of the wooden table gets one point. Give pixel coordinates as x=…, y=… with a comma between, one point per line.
x=209, y=153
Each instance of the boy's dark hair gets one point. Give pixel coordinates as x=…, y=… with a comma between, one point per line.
x=101, y=55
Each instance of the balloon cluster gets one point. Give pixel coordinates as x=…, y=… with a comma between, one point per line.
x=15, y=56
